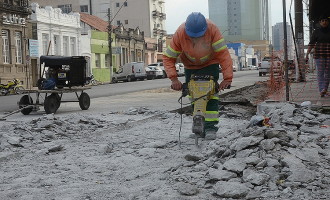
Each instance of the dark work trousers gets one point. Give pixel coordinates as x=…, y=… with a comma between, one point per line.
x=213, y=104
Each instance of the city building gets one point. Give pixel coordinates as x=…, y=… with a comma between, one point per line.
x=14, y=41
x=53, y=33
x=128, y=45
x=241, y=19
x=146, y=15
x=278, y=39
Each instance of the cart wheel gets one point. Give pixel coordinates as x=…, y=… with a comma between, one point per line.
x=58, y=98
x=25, y=101
x=51, y=104
x=84, y=101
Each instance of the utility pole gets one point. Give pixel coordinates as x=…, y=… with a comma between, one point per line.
x=286, y=52
x=90, y=7
x=299, y=32
x=110, y=42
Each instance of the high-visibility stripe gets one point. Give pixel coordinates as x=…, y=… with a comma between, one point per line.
x=205, y=58
x=211, y=119
x=211, y=116
x=192, y=59
x=219, y=45
x=171, y=53
x=216, y=97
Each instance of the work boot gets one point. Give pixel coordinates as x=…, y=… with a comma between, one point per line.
x=210, y=135
x=192, y=136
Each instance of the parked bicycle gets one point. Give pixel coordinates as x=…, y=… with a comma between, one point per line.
x=92, y=81
x=12, y=87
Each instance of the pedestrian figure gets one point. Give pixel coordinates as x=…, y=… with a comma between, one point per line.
x=320, y=42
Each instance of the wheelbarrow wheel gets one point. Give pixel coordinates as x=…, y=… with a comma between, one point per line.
x=25, y=100
x=84, y=101
x=51, y=104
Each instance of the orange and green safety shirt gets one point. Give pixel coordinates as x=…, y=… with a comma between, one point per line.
x=197, y=53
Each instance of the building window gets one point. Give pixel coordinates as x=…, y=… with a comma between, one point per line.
x=57, y=47
x=118, y=22
x=73, y=46
x=84, y=8
x=107, y=60
x=18, y=46
x=125, y=3
x=5, y=46
x=67, y=8
x=117, y=5
x=97, y=60
x=66, y=46
x=126, y=21
x=45, y=41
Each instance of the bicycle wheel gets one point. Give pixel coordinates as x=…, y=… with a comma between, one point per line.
x=19, y=90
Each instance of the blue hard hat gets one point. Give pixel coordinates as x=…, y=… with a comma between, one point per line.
x=196, y=25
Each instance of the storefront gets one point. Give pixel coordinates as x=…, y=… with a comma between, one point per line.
x=14, y=38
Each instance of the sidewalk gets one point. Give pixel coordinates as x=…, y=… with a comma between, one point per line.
x=303, y=91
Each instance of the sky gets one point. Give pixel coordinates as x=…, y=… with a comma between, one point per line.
x=178, y=10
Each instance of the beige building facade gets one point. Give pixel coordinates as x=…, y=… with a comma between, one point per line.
x=14, y=26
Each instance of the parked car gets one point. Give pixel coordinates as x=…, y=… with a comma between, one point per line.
x=151, y=74
x=252, y=67
x=179, y=69
x=157, y=71
x=161, y=66
x=130, y=72
x=266, y=64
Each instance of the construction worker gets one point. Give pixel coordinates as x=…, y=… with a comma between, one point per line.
x=201, y=48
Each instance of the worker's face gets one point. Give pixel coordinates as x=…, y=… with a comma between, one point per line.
x=324, y=22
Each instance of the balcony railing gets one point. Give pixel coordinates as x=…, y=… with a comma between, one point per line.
x=155, y=13
x=163, y=32
x=162, y=16
x=156, y=31
x=15, y=8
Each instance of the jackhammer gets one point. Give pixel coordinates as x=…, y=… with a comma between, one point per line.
x=200, y=90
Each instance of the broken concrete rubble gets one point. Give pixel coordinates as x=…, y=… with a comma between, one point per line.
x=135, y=155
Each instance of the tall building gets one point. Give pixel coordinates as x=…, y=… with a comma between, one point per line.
x=278, y=39
x=241, y=19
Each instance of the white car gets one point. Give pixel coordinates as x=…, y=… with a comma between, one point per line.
x=234, y=68
x=179, y=69
x=161, y=66
x=157, y=71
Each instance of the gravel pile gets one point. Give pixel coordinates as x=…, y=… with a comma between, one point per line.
x=289, y=160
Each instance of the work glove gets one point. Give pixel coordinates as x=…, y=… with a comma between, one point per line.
x=224, y=85
x=176, y=84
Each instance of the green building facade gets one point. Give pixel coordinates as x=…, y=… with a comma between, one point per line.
x=100, y=56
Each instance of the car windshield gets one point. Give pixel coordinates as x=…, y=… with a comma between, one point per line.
x=153, y=65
